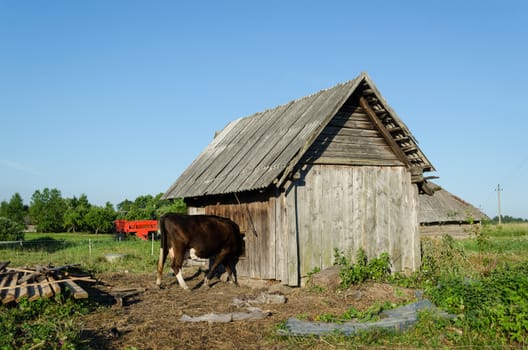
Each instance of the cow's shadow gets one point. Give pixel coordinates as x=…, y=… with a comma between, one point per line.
x=201, y=273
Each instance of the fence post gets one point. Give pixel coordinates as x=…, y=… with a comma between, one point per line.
x=90, y=246
x=152, y=246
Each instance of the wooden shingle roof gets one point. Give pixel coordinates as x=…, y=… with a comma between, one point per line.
x=444, y=207
x=262, y=149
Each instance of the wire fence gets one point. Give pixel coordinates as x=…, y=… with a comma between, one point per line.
x=101, y=254
x=56, y=244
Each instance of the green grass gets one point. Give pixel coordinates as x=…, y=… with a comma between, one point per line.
x=499, y=244
x=507, y=230
x=89, y=250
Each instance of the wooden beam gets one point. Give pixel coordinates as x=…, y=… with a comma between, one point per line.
x=383, y=131
x=75, y=289
x=54, y=285
x=11, y=292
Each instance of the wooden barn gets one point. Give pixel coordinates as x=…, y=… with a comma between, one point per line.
x=444, y=213
x=334, y=170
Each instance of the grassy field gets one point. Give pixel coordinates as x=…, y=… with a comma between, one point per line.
x=505, y=243
x=89, y=250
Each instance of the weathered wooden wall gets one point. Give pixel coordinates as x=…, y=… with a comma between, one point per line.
x=455, y=230
x=256, y=220
x=351, y=139
x=348, y=208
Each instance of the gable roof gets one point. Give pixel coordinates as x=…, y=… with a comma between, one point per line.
x=262, y=149
x=444, y=207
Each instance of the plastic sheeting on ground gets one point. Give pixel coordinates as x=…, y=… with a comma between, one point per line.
x=397, y=319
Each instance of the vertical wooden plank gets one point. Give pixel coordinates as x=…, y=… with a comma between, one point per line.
x=334, y=212
x=54, y=286
x=346, y=239
x=396, y=207
x=282, y=238
x=325, y=231
x=269, y=219
x=339, y=207
x=382, y=208
x=4, y=279
x=21, y=292
x=10, y=281
x=46, y=290
x=293, y=236
x=357, y=212
x=34, y=292
x=304, y=203
x=277, y=222
x=370, y=212
x=414, y=228
x=315, y=186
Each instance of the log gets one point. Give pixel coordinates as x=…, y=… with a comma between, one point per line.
x=33, y=292
x=21, y=293
x=4, y=282
x=46, y=290
x=85, y=279
x=11, y=292
x=76, y=290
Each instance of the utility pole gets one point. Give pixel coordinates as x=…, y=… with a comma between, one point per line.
x=499, y=189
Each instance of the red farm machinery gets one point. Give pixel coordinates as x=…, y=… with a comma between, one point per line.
x=144, y=229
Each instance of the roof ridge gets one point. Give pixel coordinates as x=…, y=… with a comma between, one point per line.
x=299, y=99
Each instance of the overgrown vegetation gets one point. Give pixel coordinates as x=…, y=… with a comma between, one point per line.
x=377, y=269
x=352, y=314
x=43, y=324
x=483, y=280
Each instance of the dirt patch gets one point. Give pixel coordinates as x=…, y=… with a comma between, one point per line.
x=151, y=319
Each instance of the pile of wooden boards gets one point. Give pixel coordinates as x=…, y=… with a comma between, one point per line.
x=17, y=284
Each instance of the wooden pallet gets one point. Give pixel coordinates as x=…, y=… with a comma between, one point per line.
x=17, y=284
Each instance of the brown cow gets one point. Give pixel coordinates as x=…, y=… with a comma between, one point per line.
x=207, y=235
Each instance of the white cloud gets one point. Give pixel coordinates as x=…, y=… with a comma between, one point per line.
x=19, y=167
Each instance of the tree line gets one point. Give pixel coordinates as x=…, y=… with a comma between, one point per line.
x=506, y=219
x=49, y=212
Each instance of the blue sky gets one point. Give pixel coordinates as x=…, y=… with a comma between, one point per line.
x=114, y=99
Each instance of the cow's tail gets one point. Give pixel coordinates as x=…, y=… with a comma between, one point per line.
x=163, y=248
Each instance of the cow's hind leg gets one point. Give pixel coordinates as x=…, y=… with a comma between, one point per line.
x=231, y=271
x=181, y=281
x=161, y=262
x=177, y=255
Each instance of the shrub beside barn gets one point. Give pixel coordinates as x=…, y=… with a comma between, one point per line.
x=334, y=170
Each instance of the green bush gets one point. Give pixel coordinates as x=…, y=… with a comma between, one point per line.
x=42, y=324
x=377, y=269
x=494, y=305
x=10, y=230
